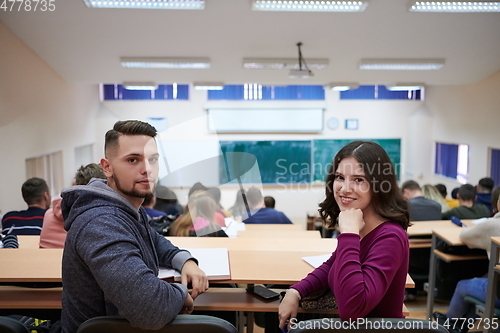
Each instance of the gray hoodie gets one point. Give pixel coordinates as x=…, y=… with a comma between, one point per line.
x=110, y=261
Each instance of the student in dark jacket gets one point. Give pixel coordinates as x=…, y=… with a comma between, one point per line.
x=259, y=214
x=111, y=255
x=467, y=209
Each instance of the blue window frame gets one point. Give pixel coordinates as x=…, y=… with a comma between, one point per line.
x=259, y=92
x=495, y=165
x=452, y=161
x=115, y=92
x=379, y=92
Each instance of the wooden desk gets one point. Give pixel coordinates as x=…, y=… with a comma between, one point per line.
x=424, y=228
x=449, y=235
x=31, y=265
x=493, y=272
x=28, y=242
x=276, y=267
x=273, y=227
x=299, y=234
x=325, y=245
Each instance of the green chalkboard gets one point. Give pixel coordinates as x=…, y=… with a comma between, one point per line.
x=325, y=150
x=279, y=162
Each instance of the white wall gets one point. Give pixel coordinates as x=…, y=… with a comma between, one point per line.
x=467, y=115
x=40, y=113
x=380, y=119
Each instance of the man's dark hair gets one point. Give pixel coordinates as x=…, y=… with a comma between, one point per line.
x=86, y=173
x=254, y=196
x=442, y=189
x=487, y=183
x=467, y=192
x=454, y=193
x=410, y=185
x=126, y=127
x=33, y=190
x=388, y=200
x=495, y=195
x=269, y=202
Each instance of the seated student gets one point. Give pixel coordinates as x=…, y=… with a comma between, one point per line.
x=166, y=201
x=431, y=192
x=29, y=222
x=259, y=214
x=240, y=208
x=483, y=192
x=219, y=216
x=111, y=255
x=468, y=209
x=452, y=203
x=215, y=193
x=148, y=204
x=476, y=237
x=421, y=208
x=367, y=272
x=199, y=220
x=269, y=202
x=53, y=234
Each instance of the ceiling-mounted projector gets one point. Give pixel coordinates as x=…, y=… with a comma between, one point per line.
x=303, y=72
x=299, y=73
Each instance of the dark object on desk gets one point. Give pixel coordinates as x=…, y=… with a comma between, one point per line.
x=181, y=323
x=382, y=325
x=263, y=292
x=457, y=221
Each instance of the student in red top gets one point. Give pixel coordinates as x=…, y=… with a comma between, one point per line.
x=367, y=272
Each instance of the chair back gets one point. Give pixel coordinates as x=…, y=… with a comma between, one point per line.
x=10, y=325
x=365, y=325
x=182, y=323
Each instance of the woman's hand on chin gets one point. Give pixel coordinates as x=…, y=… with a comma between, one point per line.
x=351, y=221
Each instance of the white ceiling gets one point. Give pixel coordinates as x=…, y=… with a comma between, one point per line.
x=84, y=45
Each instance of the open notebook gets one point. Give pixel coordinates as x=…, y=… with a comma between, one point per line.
x=213, y=261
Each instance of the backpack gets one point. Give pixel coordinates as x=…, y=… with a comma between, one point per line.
x=161, y=224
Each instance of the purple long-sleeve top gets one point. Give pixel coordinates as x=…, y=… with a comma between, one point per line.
x=367, y=277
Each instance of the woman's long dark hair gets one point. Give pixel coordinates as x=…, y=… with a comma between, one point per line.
x=379, y=171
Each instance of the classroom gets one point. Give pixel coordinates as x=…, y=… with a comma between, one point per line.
x=53, y=110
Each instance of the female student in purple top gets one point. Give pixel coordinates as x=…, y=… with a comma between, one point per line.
x=367, y=272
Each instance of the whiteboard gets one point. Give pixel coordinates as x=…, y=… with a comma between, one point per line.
x=265, y=120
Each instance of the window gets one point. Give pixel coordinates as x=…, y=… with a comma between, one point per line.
x=48, y=167
x=452, y=161
x=250, y=91
x=380, y=92
x=114, y=92
x=495, y=165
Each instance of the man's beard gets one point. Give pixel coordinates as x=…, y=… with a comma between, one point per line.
x=133, y=192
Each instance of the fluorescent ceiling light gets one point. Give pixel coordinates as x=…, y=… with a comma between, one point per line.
x=184, y=63
x=405, y=86
x=401, y=64
x=310, y=5
x=454, y=6
x=342, y=86
x=146, y=4
x=139, y=85
x=208, y=85
x=282, y=63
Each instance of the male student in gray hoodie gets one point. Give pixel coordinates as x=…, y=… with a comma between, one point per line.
x=111, y=255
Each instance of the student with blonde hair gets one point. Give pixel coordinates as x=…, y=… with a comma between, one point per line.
x=199, y=219
x=431, y=192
